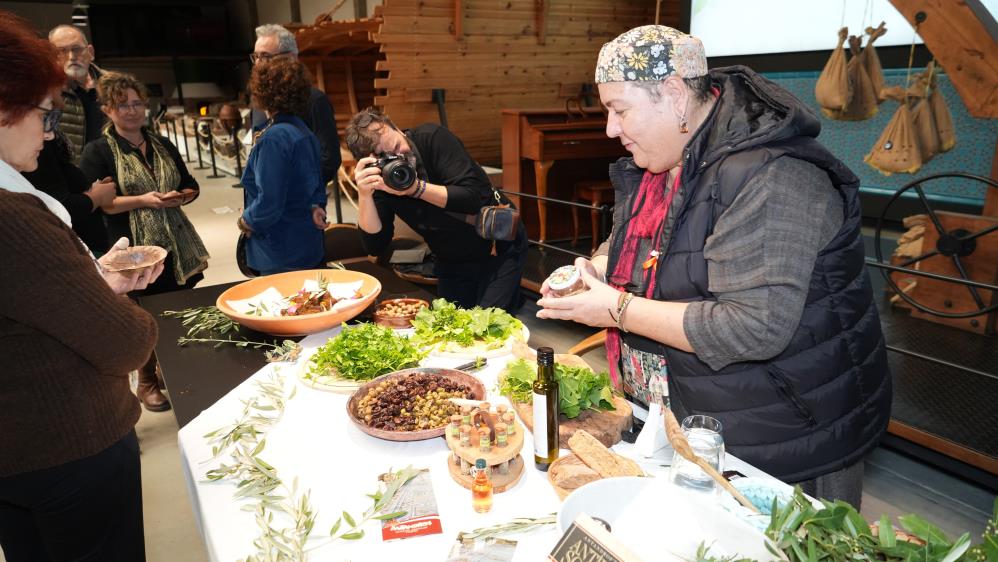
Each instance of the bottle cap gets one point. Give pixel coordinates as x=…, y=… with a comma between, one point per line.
x=545, y=356
x=480, y=464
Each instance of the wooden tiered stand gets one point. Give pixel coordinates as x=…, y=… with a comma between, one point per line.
x=463, y=459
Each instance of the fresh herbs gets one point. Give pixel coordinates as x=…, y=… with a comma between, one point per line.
x=381, y=500
x=836, y=532
x=362, y=352
x=257, y=480
x=210, y=321
x=203, y=320
x=518, y=525
x=444, y=323
x=287, y=351
x=579, y=388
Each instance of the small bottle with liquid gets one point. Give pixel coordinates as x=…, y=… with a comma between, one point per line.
x=545, y=411
x=481, y=489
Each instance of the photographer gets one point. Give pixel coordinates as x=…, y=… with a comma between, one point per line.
x=449, y=187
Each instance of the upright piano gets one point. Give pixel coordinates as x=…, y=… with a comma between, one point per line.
x=533, y=140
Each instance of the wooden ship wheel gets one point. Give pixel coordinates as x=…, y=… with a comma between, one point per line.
x=957, y=246
x=483, y=433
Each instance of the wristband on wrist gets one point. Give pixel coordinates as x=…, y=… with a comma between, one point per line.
x=419, y=190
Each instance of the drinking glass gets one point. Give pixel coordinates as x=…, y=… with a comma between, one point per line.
x=704, y=436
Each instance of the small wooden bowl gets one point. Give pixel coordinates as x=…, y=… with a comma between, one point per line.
x=396, y=321
x=353, y=405
x=133, y=258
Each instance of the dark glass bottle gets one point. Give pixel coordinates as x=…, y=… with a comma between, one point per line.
x=545, y=410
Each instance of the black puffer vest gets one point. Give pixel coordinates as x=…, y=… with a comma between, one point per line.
x=824, y=402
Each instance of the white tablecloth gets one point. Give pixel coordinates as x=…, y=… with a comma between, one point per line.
x=316, y=442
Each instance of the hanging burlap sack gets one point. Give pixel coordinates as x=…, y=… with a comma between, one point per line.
x=863, y=104
x=896, y=151
x=925, y=128
x=942, y=116
x=833, y=90
x=872, y=61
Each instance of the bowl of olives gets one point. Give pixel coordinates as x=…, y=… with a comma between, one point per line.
x=398, y=313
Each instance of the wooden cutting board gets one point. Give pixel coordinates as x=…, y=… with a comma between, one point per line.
x=604, y=425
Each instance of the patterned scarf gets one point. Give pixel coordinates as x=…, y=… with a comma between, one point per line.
x=648, y=214
x=168, y=228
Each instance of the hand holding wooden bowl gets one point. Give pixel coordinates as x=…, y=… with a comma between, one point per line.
x=398, y=313
x=132, y=258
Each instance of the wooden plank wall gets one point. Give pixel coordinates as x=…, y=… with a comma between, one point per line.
x=488, y=55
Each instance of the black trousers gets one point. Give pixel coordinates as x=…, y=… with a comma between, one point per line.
x=86, y=510
x=494, y=282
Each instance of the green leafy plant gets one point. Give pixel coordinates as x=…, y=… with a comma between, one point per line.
x=836, y=532
x=444, y=323
x=286, y=351
x=579, y=388
x=381, y=500
x=363, y=352
x=518, y=525
x=203, y=320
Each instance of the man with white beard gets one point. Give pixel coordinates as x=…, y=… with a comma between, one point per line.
x=82, y=118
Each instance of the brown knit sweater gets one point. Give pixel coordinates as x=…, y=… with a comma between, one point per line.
x=67, y=344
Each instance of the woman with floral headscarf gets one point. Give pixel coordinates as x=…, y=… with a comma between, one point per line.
x=735, y=271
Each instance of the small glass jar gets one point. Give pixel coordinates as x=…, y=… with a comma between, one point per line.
x=484, y=443
x=501, y=440
x=510, y=420
x=466, y=415
x=455, y=426
x=566, y=281
x=484, y=407
x=465, y=435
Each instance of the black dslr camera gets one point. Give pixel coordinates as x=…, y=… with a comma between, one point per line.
x=396, y=170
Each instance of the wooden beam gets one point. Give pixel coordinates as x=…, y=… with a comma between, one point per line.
x=541, y=7
x=957, y=37
x=458, y=19
x=351, y=93
x=320, y=76
x=360, y=9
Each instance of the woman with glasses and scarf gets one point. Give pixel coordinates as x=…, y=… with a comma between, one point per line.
x=70, y=479
x=153, y=183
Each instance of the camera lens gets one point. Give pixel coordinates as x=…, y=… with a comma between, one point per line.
x=398, y=175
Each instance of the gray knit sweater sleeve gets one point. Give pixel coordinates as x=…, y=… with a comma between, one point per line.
x=759, y=263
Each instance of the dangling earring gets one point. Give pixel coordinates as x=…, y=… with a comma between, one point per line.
x=683, y=127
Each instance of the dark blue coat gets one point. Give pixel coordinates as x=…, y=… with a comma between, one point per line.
x=824, y=402
x=283, y=182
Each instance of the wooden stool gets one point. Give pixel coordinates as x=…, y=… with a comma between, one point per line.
x=598, y=193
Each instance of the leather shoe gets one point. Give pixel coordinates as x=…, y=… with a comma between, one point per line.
x=149, y=393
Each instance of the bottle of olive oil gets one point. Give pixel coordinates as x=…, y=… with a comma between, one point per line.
x=545, y=410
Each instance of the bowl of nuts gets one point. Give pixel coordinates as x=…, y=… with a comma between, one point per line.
x=411, y=404
x=398, y=313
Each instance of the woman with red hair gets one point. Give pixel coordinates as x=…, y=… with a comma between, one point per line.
x=70, y=481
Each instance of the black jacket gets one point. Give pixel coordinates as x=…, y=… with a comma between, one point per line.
x=824, y=401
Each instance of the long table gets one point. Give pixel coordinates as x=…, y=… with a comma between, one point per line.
x=316, y=443
x=197, y=375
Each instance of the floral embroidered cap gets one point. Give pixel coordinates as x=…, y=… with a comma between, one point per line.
x=651, y=53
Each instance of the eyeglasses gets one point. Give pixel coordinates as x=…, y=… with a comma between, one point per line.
x=134, y=106
x=50, y=118
x=264, y=57
x=75, y=50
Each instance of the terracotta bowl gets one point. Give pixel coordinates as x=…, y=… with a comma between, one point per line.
x=133, y=258
x=396, y=321
x=477, y=393
x=290, y=283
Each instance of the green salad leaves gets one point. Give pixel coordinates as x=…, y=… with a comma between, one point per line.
x=578, y=388
x=363, y=352
x=445, y=323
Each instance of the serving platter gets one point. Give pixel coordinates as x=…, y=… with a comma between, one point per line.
x=133, y=258
x=290, y=283
x=353, y=405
